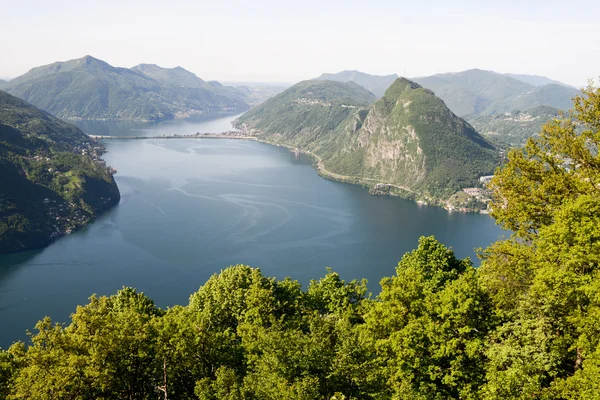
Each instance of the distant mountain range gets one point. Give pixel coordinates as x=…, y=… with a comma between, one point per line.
x=88, y=88
x=513, y=128
x=408, y=140
x=537, y=80
x=376, y=84
x=485, y=92
x=52, y=180
x=477, y=91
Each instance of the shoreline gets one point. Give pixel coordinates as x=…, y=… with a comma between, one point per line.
x=376, y=187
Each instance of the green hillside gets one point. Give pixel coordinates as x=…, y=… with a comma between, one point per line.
x=51, y=178
x=408, y=138
x=88, y=88
x=307, y=110
x=513, y=128
x=376, y=84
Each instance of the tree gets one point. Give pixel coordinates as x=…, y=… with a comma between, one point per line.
x=559, y=166
x=429, y=325
x=544, y=280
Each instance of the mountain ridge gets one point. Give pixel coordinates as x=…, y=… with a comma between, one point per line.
x=376, y=84
x=89, y=88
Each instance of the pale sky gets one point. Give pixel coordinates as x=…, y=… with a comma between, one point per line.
x=283, y=41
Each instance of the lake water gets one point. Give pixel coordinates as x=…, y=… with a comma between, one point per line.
x=192, y=207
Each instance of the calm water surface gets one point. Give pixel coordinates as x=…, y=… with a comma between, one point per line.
x=192, y=207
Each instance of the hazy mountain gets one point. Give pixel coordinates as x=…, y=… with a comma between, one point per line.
x=51, y=179
x=485, y=92
x=472, y=91
x=536, y=80
x=513, y=128
x=376, y=84
x=89, y=88
x=256, y=92
x=556, y=96
x=170, y=76
x=407, y=138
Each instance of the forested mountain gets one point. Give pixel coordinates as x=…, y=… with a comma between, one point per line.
x=536, y=80
x=408, y=139
x=88, y=88
x=513, y=128
x=376, y=84
x=485, y=92
x=51, y=178
x=308, y=109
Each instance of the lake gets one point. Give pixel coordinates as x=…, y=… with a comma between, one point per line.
x=191, y=207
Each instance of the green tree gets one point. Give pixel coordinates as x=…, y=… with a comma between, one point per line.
x=429, y=325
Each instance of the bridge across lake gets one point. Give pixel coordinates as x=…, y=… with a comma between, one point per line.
x=224, y=135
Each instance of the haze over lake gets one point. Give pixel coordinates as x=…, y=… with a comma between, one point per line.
x=191, y=207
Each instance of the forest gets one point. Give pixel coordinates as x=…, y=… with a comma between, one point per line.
x=523, y=325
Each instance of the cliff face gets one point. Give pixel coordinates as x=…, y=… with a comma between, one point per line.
x=52, y=180
x=408, y=138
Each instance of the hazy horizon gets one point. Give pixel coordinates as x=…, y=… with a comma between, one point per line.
x=266, y=41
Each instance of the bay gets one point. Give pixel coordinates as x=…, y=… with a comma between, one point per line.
x=191, y=207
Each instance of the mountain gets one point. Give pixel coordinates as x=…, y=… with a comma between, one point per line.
x=170, y=76
x=486, y=92
x=307, y=110
x=513, y=128
x=472, y=91
x=407, y=140
x=536, y=80
x=552, y=95
x=88, y=88
x=257, y=92
x=376, y=84
x=52, y=180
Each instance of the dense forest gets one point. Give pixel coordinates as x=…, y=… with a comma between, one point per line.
x=524, y=325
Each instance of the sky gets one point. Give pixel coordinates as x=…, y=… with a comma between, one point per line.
x=287, y=41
